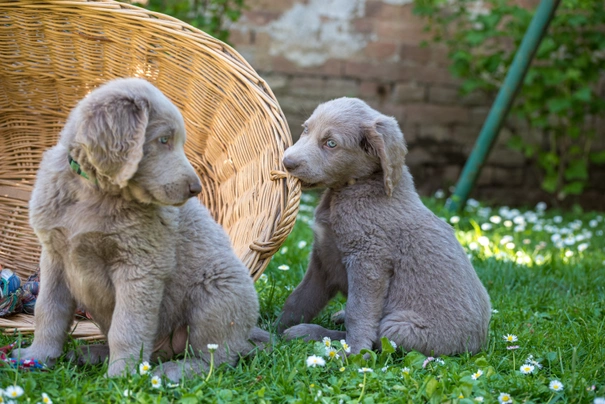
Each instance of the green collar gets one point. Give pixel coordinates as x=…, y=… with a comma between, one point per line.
x=76, y=167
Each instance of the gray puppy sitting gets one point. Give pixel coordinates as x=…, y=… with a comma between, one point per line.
x=122, y=236
x=405, y=275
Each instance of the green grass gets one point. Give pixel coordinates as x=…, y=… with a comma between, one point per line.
x=548, y=292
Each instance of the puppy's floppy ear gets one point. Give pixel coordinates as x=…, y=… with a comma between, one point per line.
x=384, y=139
x=112, y=134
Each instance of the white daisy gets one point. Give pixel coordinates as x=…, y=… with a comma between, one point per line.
x=477, y=374
x=405, y=370
x=302, y=244
x=345, y=346
x=283, y=267
x=527, y=369
x=365, y=370
x=46, y=399
x=313, y=361
x=327, y=341
x=144, y=368
x=555, y=385
x=331, y=352
x=13, y=391
x=156, y=382
x=479, y=399
x=495, y=219
x=510, y=338
x=484, y=241
x=393, y=344
x=505, y=398
x=454, y=219
x=212, y=347
x=127, y=393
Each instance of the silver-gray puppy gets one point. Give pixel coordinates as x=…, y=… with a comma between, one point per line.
x=122, y=237
x=405, y=275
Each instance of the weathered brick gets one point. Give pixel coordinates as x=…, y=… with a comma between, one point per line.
x=433, y=132
x=478, y=115
x=451, y=173
x=260, y=17
x=384, y=11
x=334, y=87
x=380, y=50
x=506, y=176
x=410, y=31
x=418, y=156
x=363, y=25
x=415, y=54
x=278, y=83
x=409, y=92
x=332, y=67
x=435, y=114
x=443, y=95
x=368, y=89
x=270, y=5
x=506, y=157
x=307, y=86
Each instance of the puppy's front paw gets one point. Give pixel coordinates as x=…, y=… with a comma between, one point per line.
x=171, y=370
x=89, y=354
x=308, y=332
x=35, y=353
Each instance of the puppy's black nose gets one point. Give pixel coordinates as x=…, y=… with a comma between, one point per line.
x=195, y=188
x=290, y=163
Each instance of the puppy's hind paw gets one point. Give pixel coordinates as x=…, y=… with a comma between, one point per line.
x=338, y=317
x=309, y=332
x=89, y=354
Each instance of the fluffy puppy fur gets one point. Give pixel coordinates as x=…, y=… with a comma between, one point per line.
x=405, y=275
x=130, y=245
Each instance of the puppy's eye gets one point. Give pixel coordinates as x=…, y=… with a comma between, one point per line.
x=164, y=139
x=331, y=143
x=305, y=130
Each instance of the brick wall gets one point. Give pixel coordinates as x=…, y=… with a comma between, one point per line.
x=316, y=50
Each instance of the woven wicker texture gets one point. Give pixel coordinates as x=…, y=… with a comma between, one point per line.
x=52, y=53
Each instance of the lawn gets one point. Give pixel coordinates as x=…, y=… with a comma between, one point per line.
x=544, y=270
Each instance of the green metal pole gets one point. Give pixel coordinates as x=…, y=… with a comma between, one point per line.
x=504, y=99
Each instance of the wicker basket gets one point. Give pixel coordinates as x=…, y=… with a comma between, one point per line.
x=52, y=53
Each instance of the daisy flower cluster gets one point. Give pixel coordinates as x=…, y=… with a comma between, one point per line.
x=503, y=233
x=332, y=350
x=13, y=393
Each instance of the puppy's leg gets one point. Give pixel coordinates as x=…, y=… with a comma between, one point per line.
x=408, y=330
x=368, y=285
x=411, y=331
x=312, y=295
x=135, y=318
x=312, y=332
x=54, y=312
x=222, y=312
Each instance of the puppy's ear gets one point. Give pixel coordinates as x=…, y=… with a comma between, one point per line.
x=112, y=134
x=384, y=139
